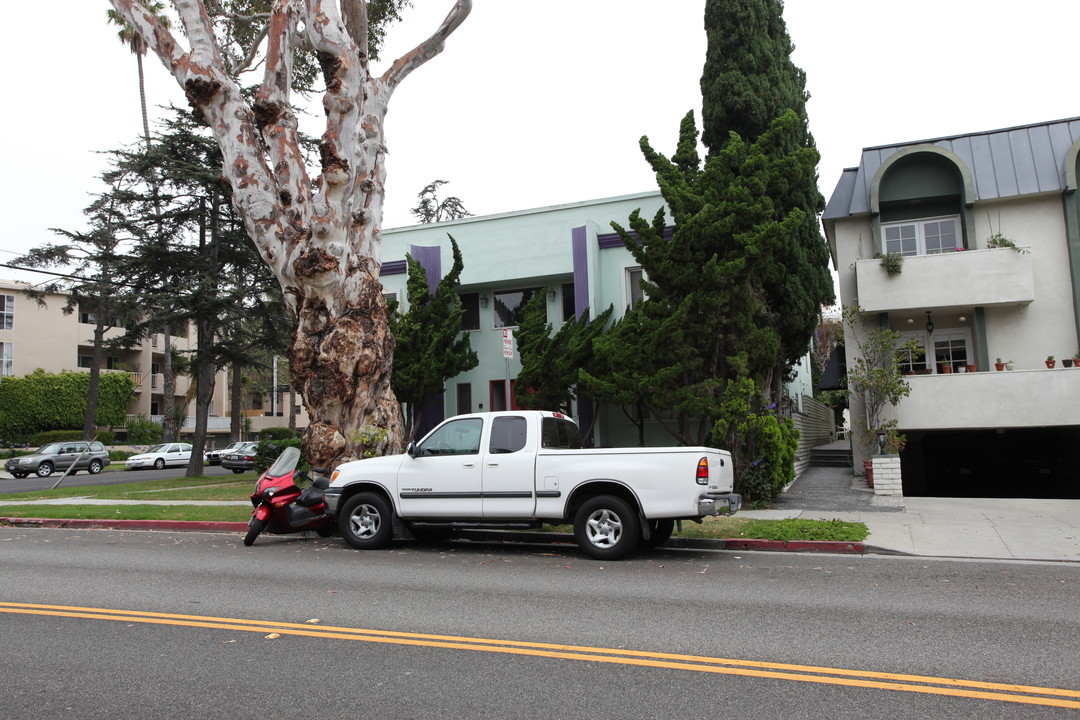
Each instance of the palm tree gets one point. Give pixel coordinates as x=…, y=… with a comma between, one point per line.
x=131, y=39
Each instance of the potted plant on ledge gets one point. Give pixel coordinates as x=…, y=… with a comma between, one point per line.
x=1050, y=362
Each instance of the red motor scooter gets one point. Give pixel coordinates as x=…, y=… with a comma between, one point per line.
x=282, y=507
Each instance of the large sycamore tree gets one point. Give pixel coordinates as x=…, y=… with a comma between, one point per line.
x=318, y=232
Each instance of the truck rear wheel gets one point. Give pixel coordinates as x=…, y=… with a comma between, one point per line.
x=365, y=521
x=606, y=528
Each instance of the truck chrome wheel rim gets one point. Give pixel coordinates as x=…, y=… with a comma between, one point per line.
x=604, y=528
x=365, y=521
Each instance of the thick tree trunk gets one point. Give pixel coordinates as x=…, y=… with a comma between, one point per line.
x=340, y=361
x=323, y=244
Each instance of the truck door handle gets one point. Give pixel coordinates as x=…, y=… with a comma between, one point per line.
x=493, y=464
x=469, y=465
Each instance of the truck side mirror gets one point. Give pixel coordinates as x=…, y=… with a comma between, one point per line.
x=410, y=450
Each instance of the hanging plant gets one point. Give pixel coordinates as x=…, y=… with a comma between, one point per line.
x=893, y=263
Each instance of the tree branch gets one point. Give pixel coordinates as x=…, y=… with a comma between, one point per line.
x=427, y=49
x=356, y=22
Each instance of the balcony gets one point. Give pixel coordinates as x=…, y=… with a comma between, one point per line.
x=1017, y=399
x=970, y=278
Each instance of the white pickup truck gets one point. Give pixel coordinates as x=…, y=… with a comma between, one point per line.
x=528, y=467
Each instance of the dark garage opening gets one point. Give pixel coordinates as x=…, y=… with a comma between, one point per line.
x=1006, y=463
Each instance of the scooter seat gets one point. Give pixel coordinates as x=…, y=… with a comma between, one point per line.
x=310, y=497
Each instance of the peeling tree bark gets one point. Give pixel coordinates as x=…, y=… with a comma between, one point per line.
x=323, y=244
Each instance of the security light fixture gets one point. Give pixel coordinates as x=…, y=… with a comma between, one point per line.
x=929, y=324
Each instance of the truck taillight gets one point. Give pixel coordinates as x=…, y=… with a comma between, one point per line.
x=703, y=471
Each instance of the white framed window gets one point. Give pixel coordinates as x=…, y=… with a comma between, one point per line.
x=6, y=359
x=928, y=236
x=950, y=347
x=635, y=295
x=912, y=360
x=7, y=311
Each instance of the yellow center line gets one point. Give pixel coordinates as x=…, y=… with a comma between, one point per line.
x=726, y=666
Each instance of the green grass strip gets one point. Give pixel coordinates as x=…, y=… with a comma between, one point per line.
x=129, y=512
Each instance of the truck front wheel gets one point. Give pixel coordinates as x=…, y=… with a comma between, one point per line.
x=365, y=521
x=606, y=528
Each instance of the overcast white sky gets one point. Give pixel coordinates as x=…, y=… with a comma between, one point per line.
x=535, y=104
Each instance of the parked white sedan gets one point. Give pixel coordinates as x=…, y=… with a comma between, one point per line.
x=160, y=456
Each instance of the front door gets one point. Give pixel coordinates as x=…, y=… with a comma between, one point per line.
x=444, y=477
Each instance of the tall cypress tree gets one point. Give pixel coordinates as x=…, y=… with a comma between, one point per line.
x=705, y=320
x=748, y=82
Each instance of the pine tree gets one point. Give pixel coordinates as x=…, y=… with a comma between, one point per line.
x=430, y=345
x=551, y=364
x=705, y=319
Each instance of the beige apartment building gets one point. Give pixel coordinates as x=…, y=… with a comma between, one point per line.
x=36, y=336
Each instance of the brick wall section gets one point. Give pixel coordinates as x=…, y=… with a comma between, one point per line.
x=887, y=478
x=816, y=426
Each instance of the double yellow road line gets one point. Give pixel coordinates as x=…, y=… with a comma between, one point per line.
x=930, y=685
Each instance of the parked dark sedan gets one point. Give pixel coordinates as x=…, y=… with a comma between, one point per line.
x=59, y=456
x=242, y=459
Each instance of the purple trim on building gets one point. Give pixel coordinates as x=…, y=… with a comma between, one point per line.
x=394, y=267
x=612, y=240
x=430, y=258
x=579, y=243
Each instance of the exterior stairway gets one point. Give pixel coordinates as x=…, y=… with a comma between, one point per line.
x=834, y=454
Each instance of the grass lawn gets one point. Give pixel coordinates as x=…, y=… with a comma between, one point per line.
x=238, y=487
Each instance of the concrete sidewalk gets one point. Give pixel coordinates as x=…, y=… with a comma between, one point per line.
x=1018, y=529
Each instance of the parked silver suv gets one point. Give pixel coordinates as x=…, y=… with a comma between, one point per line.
x=59, y=456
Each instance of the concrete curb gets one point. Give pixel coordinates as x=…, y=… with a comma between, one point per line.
x=857, y=548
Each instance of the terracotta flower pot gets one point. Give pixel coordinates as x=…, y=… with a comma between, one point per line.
x=1050, y=364
x=999, y=366
x=972, y=367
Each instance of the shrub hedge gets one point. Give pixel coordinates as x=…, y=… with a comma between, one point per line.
x=47, y=401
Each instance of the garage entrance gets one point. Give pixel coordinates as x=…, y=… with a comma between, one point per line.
x=1020, y=463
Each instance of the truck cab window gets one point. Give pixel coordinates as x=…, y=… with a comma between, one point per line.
x=457, y=437
x=559, y=434
x=508, y=434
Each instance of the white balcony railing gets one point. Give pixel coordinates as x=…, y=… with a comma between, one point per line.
x=1017, y=399
x=971, y=278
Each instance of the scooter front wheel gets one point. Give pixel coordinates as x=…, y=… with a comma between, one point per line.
x=255, y=528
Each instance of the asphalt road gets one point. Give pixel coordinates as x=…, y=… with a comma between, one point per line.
x=114, y=475
x=488, y=631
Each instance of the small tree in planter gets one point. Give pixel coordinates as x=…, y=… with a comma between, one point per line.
x=875, y=376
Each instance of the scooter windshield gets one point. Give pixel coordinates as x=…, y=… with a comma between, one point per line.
x=285, y=462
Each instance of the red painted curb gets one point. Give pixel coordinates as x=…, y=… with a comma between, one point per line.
x=190, y=525
x=796, y=546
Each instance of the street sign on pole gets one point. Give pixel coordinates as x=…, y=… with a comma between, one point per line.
x=508, y=343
